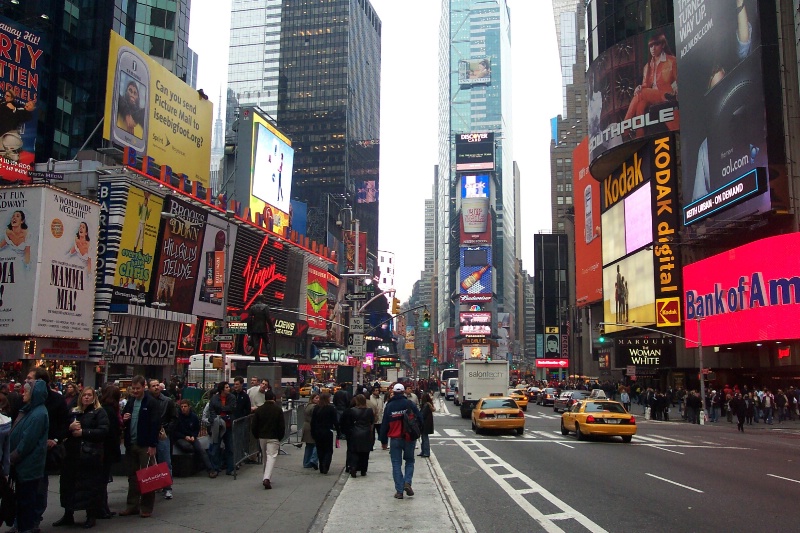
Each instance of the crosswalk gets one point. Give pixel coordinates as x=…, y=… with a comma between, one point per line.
x=451, y=433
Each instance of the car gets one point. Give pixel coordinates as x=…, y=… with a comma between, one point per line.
x=450, y=389
x=498, y=412
x=533, y=394
x=519, y=396
x=589, y=418
x=547, y=396
x=305, y=391
x=567, y=398
x=330, y=388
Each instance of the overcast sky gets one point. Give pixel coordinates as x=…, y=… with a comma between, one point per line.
x=409, y=110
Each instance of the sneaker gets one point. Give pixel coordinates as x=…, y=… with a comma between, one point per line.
x=168, y=494
x=399, y=495
x=408, y=489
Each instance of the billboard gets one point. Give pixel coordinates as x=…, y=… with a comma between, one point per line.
x=177, y=266
x=475, y=279
x=259, y=268
x=476, y=221
x=272, y=162
x=724, y=134
x=628, y=291
x=298, y=217
x=474, y=151
x=137, y=247
x=474, y=71
x=633, y=93
x=215, y=252
x=137, y=340
x=316, y=297
x=475, y=323
x=747, y=294
x=22, y=50
x=350, y=250
x=588, y=252
x=646, y=353
x=476, y=352
x=411, y=332
x=475, y=186
x=367, y=192
x=152, y=111
x=552, y=363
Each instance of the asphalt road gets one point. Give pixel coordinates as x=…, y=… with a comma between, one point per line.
x=673, y=477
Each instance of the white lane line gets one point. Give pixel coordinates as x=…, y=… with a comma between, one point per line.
x=452, y=503
x=648, y=439
x=544, y=434
x=673, y=440
x=663, y=449
x=784, y=478
x=565, y=445
x=454, y=432
x=435, y=434
x=675, y=483
x=545, y=520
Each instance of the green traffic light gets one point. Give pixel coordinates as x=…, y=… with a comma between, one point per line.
x=602, y=339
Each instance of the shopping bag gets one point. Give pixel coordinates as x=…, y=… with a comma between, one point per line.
x=153, y=478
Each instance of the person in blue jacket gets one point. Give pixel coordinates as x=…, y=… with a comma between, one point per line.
x=402, y=447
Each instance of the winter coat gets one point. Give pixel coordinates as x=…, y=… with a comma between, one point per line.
x=29, y=436
x=309, y=412
x=376, y=404
x=5, y=445
x=356, y=424
x=111, y=451
x=225, y=411
x=426, y=414
x=393, y=411
x=149, y=423
x=323, y=422
x=268, y=422
x=82, y=479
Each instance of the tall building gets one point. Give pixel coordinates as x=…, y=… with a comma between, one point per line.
x=217, y=151
x=567, y=31
x=387, y=266
x=474, y=97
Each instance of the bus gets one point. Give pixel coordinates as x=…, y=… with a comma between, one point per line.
x=234, y=365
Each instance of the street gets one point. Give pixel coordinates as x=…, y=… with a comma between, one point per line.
x=673, y=476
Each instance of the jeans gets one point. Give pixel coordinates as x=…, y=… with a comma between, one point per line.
x=270, y=449
x=164, y=455
x=27, y=501
x=402, y=450
x=716, y=414
x=218, y=456
x=199, y=450
x=43, y=486
x=768, y=415
x=426, y=445
x=310, y=456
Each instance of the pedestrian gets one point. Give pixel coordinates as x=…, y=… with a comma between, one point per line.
x=167, y=414
x=323, y=423
x=81, y=483
x=142, y=424
x=402, y=445
x=738, y=406
x=186, y=436
x=221, y=408
x=426, y=417
x=357, y=424
x=28, y=445
x=109, y=399
x=625, y=399
x=376, y=403
x=269, y=428
x=341, y=401
x=310, y=459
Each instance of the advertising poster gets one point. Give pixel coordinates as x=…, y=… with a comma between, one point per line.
x=474, y=151
x=21, y=220
x=350, y=250
x=137, y=247
x=22, y=62
x=646, y=353
x=317, y=297
x=474, y=71
x=724, y=132
x=138, y=340
x=259, y=268
x=474, y=185
x=152, y=111
x=410, y=337
x=747, y=294
x=476, y=221
x=176, y=271
x=273, y=159
x=66, y=287
x=628, y=291
x=588, y=251
x=475, y=323
x=633, y=91
x=367, y=192
x=211, y=279
x=475, y=280
x=188, y=338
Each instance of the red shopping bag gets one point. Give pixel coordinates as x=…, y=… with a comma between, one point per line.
x=153, y=478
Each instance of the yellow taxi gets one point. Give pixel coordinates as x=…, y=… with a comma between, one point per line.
x=520, y=396
x=598, y=417
x=330, y=388
x=305, y=391
x=498, y=412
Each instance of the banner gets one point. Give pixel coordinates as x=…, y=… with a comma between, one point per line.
x=21, y=64
x=350, y=250
x=588, y=252
x=410, y=337
x=152, y=111
x=138, y=340
x=317, y=297
x=178, y=263
x=211, y=282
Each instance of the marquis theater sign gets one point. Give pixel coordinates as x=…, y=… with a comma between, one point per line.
x=645, y=352
x=746, y=294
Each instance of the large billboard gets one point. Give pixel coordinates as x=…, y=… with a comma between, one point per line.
x=747, y=294
x=628, y=291
x=474, y=151
x=633, y=93
x=475, y=323
x=152, y=111
x=475, y=71
x=260, y=264
x=475, y=279
x=48, y=254
x=724, y=131
x=316, y=297
x=272, y=162
x=588, y=252
x=475, y=186
x=216, y=256
x=22, y=62
x=476, y=221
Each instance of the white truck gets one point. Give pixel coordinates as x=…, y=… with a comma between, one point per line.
x=479, y=378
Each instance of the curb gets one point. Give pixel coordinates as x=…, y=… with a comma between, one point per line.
x=458, y=515
x=321, y=518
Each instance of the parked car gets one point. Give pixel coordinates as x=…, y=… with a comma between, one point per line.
x=568, y=399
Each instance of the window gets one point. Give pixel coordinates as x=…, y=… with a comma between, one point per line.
x=560, y=200
x=569, y=200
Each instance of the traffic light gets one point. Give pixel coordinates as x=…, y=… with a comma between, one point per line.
x=602, y=338
x=434, y=361
x=395, y=306
x=426, y=319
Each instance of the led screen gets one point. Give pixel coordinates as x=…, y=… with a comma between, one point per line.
x=628, y=291
x=272, y=169
x=613, y=222
x=638, y=219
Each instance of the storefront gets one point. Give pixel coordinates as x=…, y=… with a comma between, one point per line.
x=66, y=360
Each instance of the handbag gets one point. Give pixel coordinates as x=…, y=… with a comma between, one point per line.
x=153, y=478
x=55, y=457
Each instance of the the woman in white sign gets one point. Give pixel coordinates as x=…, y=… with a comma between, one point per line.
x=16, y=237
x=81, y=246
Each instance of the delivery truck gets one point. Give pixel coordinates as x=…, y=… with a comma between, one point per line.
x=480, y=378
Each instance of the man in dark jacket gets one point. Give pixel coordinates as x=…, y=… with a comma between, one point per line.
x=185, y=434
x=142, y=425
x=341, y=402
x=402, y=447
x=269, y=428
x=167, y=413
x=242, y=408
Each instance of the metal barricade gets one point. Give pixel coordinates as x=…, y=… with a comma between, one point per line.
x=243, y=447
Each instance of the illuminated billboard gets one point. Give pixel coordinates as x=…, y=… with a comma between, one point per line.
x=22, y=61
x=475, y=323
x=628, y=291
x=633, y=94
x=476, y=221
x=724, y=134
x=215, y=252
x=475, y=71
x=475, y=186
x=474, y=151
x=588, y=250
x=475, y=280
x=152, y=111
x=747, y=294
x=628, y=225
x=316, y=297
x=273, y=159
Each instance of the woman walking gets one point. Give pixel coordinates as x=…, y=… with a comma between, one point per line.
x=82, y=481
x=310, y=459
x=426, y=414
x=357, y=424
x=323, y=424
x=109, y=400
x=221, y=406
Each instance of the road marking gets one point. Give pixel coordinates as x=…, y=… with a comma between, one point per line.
x=454, y=432
x=544, y=434
x=547, y=521
x=446, y=492
x=784, y=478
x=664, y=449
x=675, y=483
x=673, y=440
x=566, y=445
x=648, y=439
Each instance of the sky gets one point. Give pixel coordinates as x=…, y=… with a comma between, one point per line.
x=409, y=110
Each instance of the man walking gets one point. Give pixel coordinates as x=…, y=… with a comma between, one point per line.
x=142, y=423
x=402, y=446
x=269, y=428
x=167, y=413
x=375, y=402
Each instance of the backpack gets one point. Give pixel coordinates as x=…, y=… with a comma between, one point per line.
x=411, y=425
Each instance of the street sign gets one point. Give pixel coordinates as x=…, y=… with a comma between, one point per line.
x=355, y=350
x=227, y=346
x=223, y=338
x=108, y=358
x=237, y=327
x=350, y=297
x=357, y=324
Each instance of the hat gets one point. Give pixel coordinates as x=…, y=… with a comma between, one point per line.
x=399, y=388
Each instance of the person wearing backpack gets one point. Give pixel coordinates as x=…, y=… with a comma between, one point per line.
x=401, y=424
